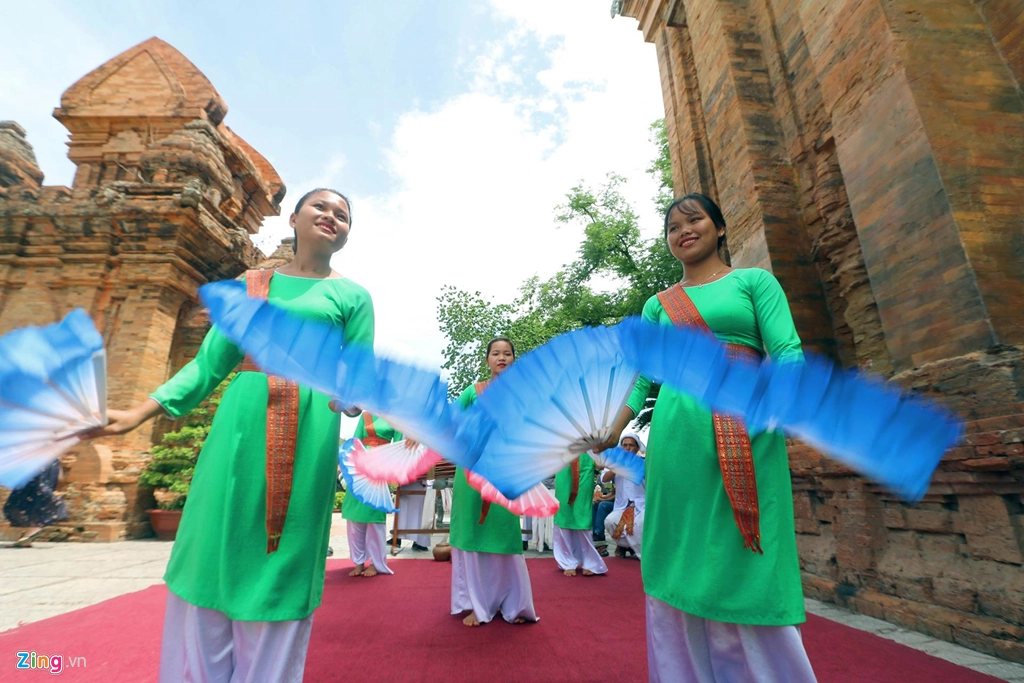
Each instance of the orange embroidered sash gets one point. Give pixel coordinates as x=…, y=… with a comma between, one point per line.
x=735, y=456
x=485, y=506
x=282, y=428
x=625, y=522
x=574, y=472
x=372, y=439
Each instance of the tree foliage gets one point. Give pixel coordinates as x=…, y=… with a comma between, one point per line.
x=614, y=273
x=661, y=167
x=172, y=462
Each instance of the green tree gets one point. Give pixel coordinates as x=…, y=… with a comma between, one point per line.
x=661, y=166
x=469, y=322
x=614, y=273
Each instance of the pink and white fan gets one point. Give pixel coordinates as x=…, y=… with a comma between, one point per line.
x=394, y=463
x=536, y=502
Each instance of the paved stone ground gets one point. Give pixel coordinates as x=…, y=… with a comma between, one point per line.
x=55, y=578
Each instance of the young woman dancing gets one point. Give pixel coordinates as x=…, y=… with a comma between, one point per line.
x=489, y=572
x=247, y=568
x=720, y=565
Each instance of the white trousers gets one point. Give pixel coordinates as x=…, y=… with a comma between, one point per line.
x=684, y=648
x=488, y=583
x=631, y=541
x=542, y=528
x=204, y=646
x=574, y=548
x=415, y=513
x=366, y=542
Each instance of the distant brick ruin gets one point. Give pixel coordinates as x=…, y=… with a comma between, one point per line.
x=871, y=154
x=164, y=200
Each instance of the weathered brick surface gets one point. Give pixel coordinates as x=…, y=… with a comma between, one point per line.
x=164, y=199
x=871, y=153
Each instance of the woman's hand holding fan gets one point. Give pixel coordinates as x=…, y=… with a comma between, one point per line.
x=568, y=396
x=553, y=404
x=889, y=435
x=52, y=393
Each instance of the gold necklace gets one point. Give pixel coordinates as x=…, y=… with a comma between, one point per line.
x=708, y=279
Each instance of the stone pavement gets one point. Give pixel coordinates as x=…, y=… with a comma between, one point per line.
x=54, y=578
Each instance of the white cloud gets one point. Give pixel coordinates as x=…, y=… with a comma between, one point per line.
x=476, y=181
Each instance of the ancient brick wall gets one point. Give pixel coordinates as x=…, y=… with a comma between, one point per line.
x=164, y=199
x=871, y=154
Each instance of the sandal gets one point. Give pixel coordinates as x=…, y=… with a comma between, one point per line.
x=26, y=540
x=603, y=551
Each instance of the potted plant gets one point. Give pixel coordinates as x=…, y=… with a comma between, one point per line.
x=172, y=462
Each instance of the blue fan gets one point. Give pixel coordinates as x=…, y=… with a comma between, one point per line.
x=52, y=389
x=311, y=352
x=375, y=494
x=304, y=350
x=551, y=405
x=691, y=361
x=414, y=401
x=622, y=462
x=894, y=438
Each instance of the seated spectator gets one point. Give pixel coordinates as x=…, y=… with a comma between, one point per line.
x=604, y=494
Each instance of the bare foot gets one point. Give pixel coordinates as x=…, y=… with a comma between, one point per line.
x=471, y=620
x=587, y=572
x=357, y=571
x=570, y=572
x=519, y=620
x=370, y=571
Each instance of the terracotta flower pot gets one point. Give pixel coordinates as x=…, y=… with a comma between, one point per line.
x=165, y=523
x=442, y=552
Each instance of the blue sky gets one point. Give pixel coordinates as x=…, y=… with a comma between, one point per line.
x=456, y=127
x=299, y=82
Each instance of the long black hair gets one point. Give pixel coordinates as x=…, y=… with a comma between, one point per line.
x=302, y=200
x=500, y=339
x=686, y=206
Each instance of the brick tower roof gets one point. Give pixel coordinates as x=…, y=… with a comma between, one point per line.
x=150, y=79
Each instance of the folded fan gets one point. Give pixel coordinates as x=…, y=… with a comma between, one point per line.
x=893, y=437
x=312, y=352
x=536, y=502
x=394, y=462
x=551, y=405
x=621, y=462
x=52, y=389
x=375, y=494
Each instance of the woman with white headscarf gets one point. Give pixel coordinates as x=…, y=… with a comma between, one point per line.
x=625, y=523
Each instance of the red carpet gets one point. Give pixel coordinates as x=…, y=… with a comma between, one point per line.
x=397, y=628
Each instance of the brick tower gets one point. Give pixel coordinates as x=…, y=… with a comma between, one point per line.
x=164, y=199
x=871, y=154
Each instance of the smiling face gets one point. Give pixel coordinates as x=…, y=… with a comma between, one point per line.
x=691, y=234
x=500, y=357
x=321, y=223
x=630, y=444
